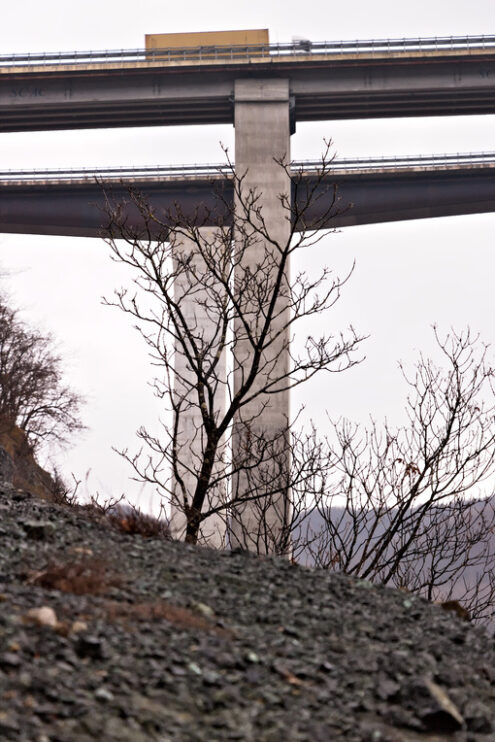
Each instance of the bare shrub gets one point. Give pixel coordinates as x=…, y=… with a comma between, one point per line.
x=134, y=522
x=88, y=576
x=412, y=506
x=158, y=610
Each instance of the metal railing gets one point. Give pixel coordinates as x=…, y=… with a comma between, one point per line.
x=117, y=173
x=227, y=54
x=403, y=162
x=176, y=172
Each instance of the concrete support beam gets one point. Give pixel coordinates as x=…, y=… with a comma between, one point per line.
x=325, y=87
x=201, y=318
x=376, y=196
x=262, y=129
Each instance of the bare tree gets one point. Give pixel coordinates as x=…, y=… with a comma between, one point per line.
x=413, y=506
x=210, y=319
x=401, y=506
x=33, y=395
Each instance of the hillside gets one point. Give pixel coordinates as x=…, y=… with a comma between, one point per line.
x=148, y=640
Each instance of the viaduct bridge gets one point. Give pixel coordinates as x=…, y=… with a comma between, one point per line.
x=69, y=202
x=263, y=90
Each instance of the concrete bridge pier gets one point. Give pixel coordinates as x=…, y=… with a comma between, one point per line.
x=262, y=135
x=262, y=123
x=201, y=317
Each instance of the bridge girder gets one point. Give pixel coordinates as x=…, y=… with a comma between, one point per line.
x=77, y=209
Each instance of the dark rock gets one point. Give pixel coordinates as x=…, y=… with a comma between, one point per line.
x=400, y=717
x=386, y=687
x=39, y=530
x=91, y=647
x=327, y=667
x=8, y=724
x=10, y=659
x=21, y=496
x=433, y=707
x=6, y=466
x=478, y=718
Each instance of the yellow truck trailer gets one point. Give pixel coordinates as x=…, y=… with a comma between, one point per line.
x=208, y=41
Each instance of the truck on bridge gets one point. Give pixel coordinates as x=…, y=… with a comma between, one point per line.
x=252, y=40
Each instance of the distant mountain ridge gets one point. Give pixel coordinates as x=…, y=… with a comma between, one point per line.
x=311, y=546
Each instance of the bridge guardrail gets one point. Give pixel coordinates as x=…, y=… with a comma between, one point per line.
x=116, y=173
x=403, y=162
x=338, y=165
x=269, y=51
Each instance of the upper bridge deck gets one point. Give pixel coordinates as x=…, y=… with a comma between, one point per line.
x=327, y=80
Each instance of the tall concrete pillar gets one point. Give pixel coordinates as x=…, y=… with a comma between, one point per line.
x=262, y=135
x=201, y=317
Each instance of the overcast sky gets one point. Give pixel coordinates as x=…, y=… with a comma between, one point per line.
x=408, y=275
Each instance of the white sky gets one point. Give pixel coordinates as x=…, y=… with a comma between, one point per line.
x=408, y=275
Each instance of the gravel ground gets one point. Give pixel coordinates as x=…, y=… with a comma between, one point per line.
x=169, y=642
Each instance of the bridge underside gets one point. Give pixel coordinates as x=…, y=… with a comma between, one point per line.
x=77, y=209
x=72, y=97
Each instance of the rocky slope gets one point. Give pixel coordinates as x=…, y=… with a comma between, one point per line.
x=18, y=465
x=111, y=637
